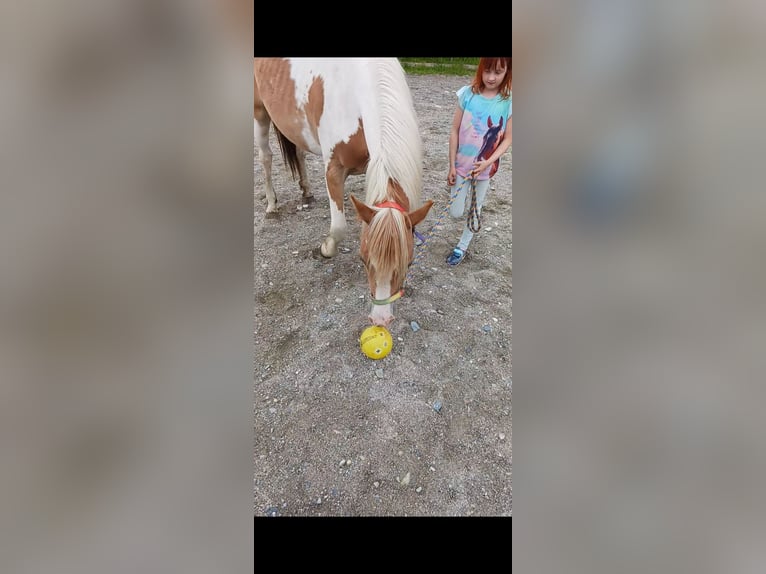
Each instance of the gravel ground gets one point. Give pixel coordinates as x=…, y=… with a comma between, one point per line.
x=426, y=430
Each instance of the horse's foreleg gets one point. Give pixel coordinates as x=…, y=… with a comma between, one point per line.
x=335, y=175
x=261, y=126
x=308, y=197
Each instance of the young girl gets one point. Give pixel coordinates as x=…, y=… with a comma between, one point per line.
x=481, y=133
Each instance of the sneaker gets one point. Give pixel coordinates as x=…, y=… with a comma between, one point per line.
x=456, y=256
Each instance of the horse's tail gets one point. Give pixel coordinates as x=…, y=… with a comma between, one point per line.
x=289, y=152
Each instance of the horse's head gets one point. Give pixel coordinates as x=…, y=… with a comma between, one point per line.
x=491, y=139
x=386, y=248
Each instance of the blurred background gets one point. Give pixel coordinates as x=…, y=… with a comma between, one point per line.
x=126, y=304
x=639, y=285
x=126, y=286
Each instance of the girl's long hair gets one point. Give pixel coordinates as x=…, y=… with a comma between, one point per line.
x=489, y=64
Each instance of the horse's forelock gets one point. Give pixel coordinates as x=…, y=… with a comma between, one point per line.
x=387, y=246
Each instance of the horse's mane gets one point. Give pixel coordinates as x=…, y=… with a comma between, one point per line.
x=395, y=150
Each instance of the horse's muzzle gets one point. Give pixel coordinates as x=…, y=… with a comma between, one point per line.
x=381, y=319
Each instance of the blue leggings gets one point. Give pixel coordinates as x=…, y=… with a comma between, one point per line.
x=462, y=204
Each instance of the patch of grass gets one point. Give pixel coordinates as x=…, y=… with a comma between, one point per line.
x=443, y=66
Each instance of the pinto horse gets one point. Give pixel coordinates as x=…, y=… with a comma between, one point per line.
x=358, y=115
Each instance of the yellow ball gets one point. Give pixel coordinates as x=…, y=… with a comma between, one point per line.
x=376, y=342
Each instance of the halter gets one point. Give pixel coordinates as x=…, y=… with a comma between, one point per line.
x=390, y=299
x=391, y=204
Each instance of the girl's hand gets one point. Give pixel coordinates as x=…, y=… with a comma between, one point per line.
x=479, y=167
x=452, y=176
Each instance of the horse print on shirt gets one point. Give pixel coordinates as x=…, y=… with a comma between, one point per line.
x=492, y=139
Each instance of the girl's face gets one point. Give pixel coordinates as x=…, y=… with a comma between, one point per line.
x=493, y=77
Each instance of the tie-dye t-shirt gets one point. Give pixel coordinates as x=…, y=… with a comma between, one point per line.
x=481, y=130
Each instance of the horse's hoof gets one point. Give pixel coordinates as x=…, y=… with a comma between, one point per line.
x=329, y=248
x=309, y=199
x=316, y=253
x=272, y=214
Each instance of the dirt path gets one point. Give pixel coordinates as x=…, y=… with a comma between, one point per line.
x=425, y=431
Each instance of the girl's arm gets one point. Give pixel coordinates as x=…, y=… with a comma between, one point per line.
x=506, y=143
x=453, y=135
x=453, y=141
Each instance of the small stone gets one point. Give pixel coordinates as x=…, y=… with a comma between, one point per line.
x=414, y=326
x=399, y=339
x=343, y=462
x=272, y=511
x=376, y=484
x=432, y=469
x=486, y=328
x=379, y=373
x=295, y=252
x=406, y=479
x=502, y=436
x=495, y=319
x=338, y=300
x=437, y=406
x=400, y=453
x=419, y=489
x=272, y=410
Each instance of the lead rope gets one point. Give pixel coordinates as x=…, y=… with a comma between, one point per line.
x=473, y=221
x=424, y=241
x=436, y=226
